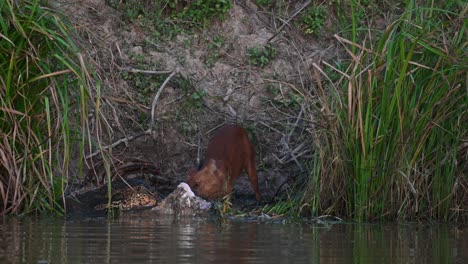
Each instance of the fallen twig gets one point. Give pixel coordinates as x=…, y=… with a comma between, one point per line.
x=118, y=142
x=296, y=123
x=153, y=107
x=133, y=70
x=155, y=100
x=289, y=20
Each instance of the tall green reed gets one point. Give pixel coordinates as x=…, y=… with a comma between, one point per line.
x=44, y=93
x=395, y=119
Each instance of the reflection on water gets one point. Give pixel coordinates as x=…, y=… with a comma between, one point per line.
x=144, y=237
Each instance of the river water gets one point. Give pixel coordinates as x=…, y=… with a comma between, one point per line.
x=145, y=237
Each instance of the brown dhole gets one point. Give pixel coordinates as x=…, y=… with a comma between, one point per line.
x=229, y=153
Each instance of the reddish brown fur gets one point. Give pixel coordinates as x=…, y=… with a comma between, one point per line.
x=229, y=153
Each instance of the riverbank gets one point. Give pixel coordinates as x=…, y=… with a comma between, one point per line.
x=356, y=109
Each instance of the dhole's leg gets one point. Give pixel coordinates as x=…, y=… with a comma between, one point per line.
x=252, y=172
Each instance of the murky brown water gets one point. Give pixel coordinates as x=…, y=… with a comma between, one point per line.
x=143, y=237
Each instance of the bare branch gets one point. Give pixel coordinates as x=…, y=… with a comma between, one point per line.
x=155, y=100
x=133, y=70
x=289, y=20
x=118, y=142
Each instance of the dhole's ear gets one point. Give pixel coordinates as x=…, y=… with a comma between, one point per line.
x=212, y=165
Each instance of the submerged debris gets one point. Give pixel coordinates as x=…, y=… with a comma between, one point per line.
x=182, y=201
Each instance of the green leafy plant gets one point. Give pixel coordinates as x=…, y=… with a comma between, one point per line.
x=261, y=55
x=314, y=19
x=197, y=98
x=285, y=97
x=132, y=9
x=265, y=3
x=214, y=47
x=202, y=11
x=168, y=18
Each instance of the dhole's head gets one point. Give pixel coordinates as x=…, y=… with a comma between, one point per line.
x=209, y=181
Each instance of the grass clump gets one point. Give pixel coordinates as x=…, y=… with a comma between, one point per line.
x=261, y=55
x=394, y=146
x=169, y=18
x=201, y=12
x=265, y=3
x=215, y=50
x=43, y=92
x=285, y=98
x=314, y=19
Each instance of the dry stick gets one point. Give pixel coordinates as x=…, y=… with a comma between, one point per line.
x=147, y=132
x=291, y=152
x=343, y=40
x=272, y=128
x=413, y=190
x=335, y=69
x=296, y=123
x=289, y=20
x=320, y=83
x=214, y=128
x=155, y=100
x=133, y=70
x=118, y=142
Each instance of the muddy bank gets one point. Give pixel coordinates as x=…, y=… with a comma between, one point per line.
x=151, y=193
x=216, y=83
